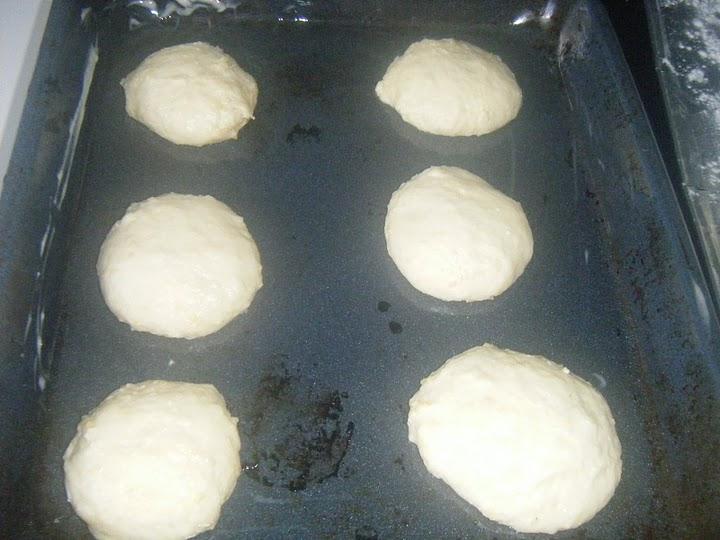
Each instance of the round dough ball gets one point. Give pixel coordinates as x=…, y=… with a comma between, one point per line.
x=154, y=461
x=179, y=266
x=192, y=94
x=455, y=237
x=449, y=87
x=519, y=437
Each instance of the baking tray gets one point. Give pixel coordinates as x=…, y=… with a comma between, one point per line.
x=321, y=367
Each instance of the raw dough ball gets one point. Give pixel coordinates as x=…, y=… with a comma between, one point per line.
x=455, y=237
x=519, y=437
x=153, y=461
x=191, y=94
x=179, y=266
x=449, y=87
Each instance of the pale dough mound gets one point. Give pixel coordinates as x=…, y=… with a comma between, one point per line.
x=455, y=237
x=191, y=94
x=179, y=266
x=449, y=87
x=154, y=461
x=519, y=437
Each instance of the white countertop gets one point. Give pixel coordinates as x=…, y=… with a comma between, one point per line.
x=21, y=31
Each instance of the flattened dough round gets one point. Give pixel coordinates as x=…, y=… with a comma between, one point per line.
x=191, y=94
x=154, y=461
x=180, y=266
x=519, y=437
x=450, y=87
x=455, y=237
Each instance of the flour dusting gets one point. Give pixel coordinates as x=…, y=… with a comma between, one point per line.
x=692, y=56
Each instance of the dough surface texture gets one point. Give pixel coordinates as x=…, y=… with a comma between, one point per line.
x=455, y=237
x=450, y=87
x=519, y=437
x=180, y=266
x=192, y=94
x=154, y=461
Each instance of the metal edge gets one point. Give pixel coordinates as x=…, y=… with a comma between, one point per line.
x=700, y=185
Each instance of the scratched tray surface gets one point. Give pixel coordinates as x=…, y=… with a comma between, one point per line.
x=321, y=367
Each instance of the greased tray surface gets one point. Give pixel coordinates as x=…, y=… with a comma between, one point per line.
x=321, y=367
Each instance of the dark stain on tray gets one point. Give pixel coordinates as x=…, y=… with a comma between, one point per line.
x=297, y=434
x=395, y=327
x=383, y=306
x=299, y=133
x=592, y=197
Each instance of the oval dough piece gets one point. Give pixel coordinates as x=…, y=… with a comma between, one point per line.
x=449, y=87
x=519, y=437
x=180, y=266
x=191, y=94
x=154, y=461
x=455, y=237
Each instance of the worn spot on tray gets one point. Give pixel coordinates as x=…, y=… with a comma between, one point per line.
x=346, y=472
x=299, y=133
x=403, y=521
x=57, y=339
x=566, y=49
x=52, y=125
x=52, y=85
x=383, y=306
x=297, y=434
x=300, y=81
x=395, y=327
x=366, y=533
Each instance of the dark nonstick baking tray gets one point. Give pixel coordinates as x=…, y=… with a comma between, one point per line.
x=321, y=367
